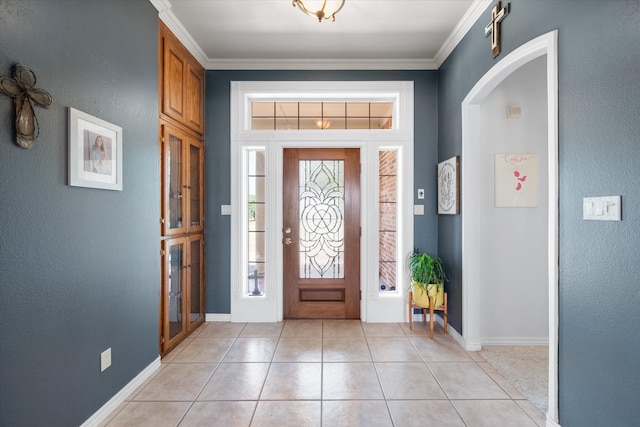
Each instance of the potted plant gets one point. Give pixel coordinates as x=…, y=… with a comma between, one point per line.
x=427, y=278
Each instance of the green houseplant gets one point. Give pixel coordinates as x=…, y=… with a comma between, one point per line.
x=427, y=278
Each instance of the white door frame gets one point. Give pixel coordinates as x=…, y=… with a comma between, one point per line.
x=540, y=46
x=375, y=306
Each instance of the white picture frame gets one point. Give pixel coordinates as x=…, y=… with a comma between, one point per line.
x=449, y=186
x=95, y=152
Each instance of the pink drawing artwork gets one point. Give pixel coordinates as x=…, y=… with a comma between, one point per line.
x=520, y=180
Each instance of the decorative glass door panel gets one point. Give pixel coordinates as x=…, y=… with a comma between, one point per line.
x=321, y=233
x=321, y=227
x=195, y=179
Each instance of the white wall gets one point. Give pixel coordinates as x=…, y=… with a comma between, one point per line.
x=513, y=272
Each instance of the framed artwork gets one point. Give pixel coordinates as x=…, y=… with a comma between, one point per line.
x=449, y=186
x=95, y=152
x=516, y=180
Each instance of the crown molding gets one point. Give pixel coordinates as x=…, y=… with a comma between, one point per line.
x=320, y=64
x=474, y=12
x=173, y=23
x=470, y=17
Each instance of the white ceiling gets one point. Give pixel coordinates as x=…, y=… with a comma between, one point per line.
x=367, y=34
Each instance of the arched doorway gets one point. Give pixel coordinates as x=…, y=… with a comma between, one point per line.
x=471, y=169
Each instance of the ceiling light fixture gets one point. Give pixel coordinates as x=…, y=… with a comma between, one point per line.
x=323, y=12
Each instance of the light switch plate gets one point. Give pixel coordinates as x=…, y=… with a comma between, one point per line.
x=225, y=209
x=418, y=209
x=602, y=208
x=420, y=193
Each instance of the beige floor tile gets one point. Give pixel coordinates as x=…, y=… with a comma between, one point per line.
x=219, y=414
x=235, y=381
x=262, y=330
x=350, y=381
x=348, y=413
x=145, y=383
x=499, y=379
x=198, y=330
x=491, y=413
x=252, y=350
x=342, y=328
x=345, y=350
x=534, y=413
x=113, y=414
x=420, y=413
x=302, y=328
x=383, y=330
x=299, y=350
x=407, y=381
x=393, y=349
x=465, y=380
x=439, y=349
x=293, y=381
x=150, y=414
x=221, y=330
x=177, y=382
x=287, y=414
x=204, y=350
x=176, y=351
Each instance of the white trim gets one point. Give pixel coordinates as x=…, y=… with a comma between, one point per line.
x=167, y=16
x=217, y=317
x=374, y=307
x=517, y=341
x=540, y=46
x=319, y=64
x=103, y=413
x=474, y=13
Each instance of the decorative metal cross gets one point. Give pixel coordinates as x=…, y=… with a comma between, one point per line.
x=25, y=95
x=497, y=15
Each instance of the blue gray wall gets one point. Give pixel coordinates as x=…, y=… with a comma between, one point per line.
x=79, y=267
x=218, y=160
x=599, y=154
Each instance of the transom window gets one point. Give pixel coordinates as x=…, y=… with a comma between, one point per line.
x=321, y=115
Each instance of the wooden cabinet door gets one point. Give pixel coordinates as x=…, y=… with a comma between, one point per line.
x=174, y=295
x=194, y=181
x=174, y=76
x=194, y=97
x=195, y=281
x=174, y=188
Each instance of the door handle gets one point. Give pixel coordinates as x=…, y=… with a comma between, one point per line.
x=288, y=241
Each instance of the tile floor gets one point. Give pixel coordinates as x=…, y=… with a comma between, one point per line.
x=323, y=373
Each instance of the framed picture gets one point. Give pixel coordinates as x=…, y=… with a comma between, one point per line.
x=516, y=181
x=95, y=152
x=449, y=186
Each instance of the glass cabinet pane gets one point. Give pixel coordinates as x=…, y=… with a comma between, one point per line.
x=173, y=148
x=195, y=277
x=174, y=291
x=195, y=184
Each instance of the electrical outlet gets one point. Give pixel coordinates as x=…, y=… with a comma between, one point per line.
x=105, y=359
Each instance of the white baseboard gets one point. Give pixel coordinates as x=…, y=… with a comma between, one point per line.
x=217, y=317
x=101, y=414
x=551, y=423
x=519, y=341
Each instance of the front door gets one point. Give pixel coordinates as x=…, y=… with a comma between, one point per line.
x=321, y=233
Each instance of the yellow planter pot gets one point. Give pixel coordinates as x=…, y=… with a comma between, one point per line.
x=421, y=296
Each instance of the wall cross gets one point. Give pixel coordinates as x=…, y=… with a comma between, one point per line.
x=24, y=93
x=497, y=15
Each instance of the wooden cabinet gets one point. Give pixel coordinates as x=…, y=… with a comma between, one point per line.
x=181, y=129
x=182, y=290
x=182, y=78
x=182, y=182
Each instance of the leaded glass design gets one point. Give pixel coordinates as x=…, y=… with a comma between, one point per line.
x=256, y=207
x=321, y=228
x=387, y=219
